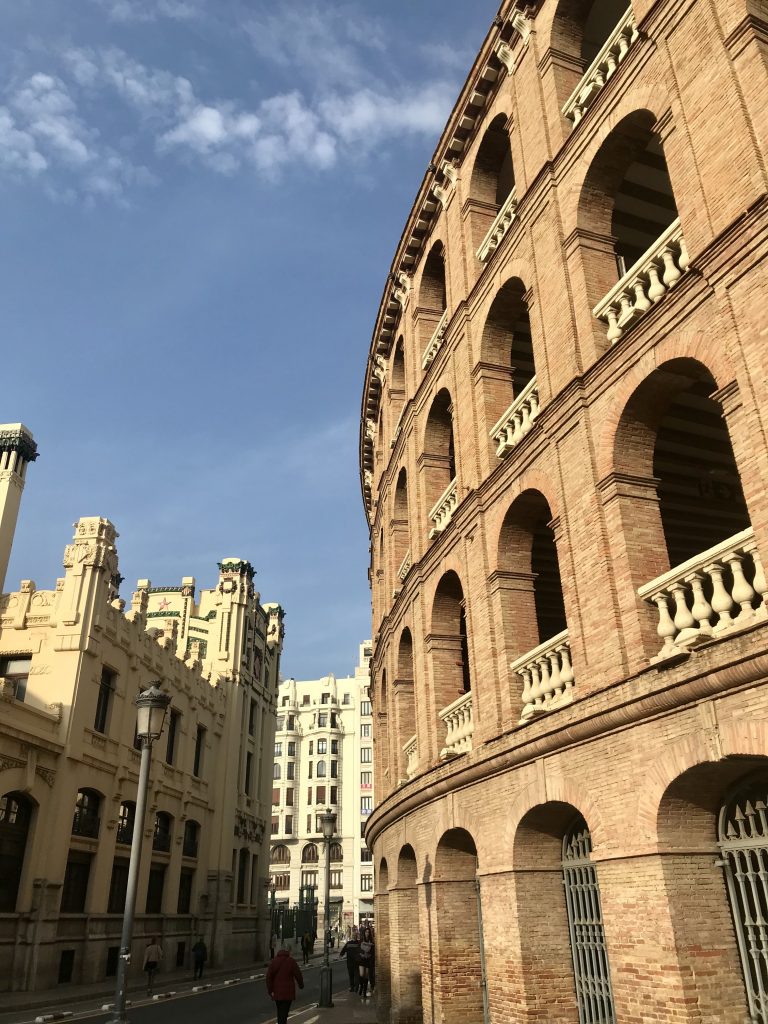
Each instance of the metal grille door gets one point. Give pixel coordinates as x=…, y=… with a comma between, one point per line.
x=585, y=921
x=743, y=838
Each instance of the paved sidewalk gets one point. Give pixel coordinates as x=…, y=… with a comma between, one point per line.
x=348, y=1008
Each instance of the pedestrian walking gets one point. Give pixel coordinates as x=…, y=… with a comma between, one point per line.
x=153, y=954
x=283, y=975
x=199, y=956
x=351, y=952
x=273, y=945
x=306, y=947
x=367, y=952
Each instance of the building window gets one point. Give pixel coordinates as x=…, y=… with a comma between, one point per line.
x=289, y=771
x=310, y=855
x=309, y=823
x=16, y=672
x=275, y=771
x=248, y=768
x=275, y=828
x=365, y=730
x=366, y=804
x=322, y=720
x=291, y=722
x=275, y=797
x=346, y=699
x=336, y=877
x=103, y=701
x=309, y=794
x=322, y=746
x=118, y=886
x=309, y=770
x=125, y=821
x=366, y=883
x=362, y=829
x=252, y=718
x=311, y=747
x=191, y=839
x=334, y=769
x=366, y=855
x=282, y=881
x=334, y=722
x=285, y=702
x=289, y=797
x=199, y=749
x=173, y=734
x=305, y=699
x=280, y=855
x=318, y=824
x=325, y=698
x=334, y=795
x=320, y=795
x=155, y=889
x=185, y=890
x=321, y=769
x=334, y=746
x=278, y=749
x=86, y=817
x=292, y=748
x=288, y=827
x=365, y=755
x=75, y=888
x=365, y=707
x=162, y=837
x=309, y=878
x=365, y=779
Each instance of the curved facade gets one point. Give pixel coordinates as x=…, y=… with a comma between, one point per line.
x=563, y=460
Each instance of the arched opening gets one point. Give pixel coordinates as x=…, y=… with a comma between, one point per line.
x=713, y=814
x=508, y=371
x=400, y=527
x=337, y=853
x=320, y=769
x=432, y=294
x=86, y=821
x=493, y=175
x=627, y=198
x=449, y=650
x=454, y=917
x=309, y=854
x=673, y=438
x=15, y=818
x=563, y=962
x=405, y=709
x=191, y=843
x=161, y=839
x=397, y=385
x=438, y=463
x=533, y=610
x=406, y=1001
x=280, y=854
x=381, y=738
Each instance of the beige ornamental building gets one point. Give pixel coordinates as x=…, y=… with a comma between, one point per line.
x=564, y=463
x=324, y=758
x=72, y=660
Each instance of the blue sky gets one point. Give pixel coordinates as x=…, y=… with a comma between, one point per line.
x=199, y=202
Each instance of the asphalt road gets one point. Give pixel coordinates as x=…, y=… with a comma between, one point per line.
x=244, y=1003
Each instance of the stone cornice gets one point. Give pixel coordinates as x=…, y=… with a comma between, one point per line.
x=581, y=722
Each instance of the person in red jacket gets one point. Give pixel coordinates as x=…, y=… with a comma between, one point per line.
x=283, y=974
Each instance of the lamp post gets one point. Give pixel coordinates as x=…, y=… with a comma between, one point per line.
x=151, y=705
x=328, y=825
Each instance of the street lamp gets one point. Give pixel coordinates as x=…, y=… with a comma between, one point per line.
x=151, y=705
x=328, y=825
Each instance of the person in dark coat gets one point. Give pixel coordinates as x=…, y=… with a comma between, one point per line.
x=283, y=975
x=199, y=956
x=351, y=951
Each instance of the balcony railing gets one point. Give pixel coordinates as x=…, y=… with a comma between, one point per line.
x=125, y=834
x=614, y=50
x=411, y=757
x=86, y=825
x=161, y=841
x=499, y=228
x=547, y=676
x=645, y=283
x=714, y=593
x=405, y=565
x=435, y=341
x=517, y=420
x=458, y=726
x=443, y=509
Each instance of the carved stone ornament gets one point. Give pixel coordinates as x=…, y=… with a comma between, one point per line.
x=6, y=763
x=370, y=430
x=47, y=775
x=402, y=287
x=380, y=369
x=368, y=476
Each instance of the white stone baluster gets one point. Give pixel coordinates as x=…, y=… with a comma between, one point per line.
x=547, y=676
x=701, y=609
x=683, y=618
x=742, y=592
x=666, y=628
x=722, y=602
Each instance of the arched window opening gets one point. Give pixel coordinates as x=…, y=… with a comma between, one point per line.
x=85, y=821
x=397, y=384
x=337, y=853
x=533, y=610
x=602, y=18
x=627, y=198
x=511, y=408
x=451, y=669
x=493, y=175
x=585, y=922
x=191, y=839
x=404, y=710
x=162, y=835
x=432, y=294
x=321, y=769
x=439, y=463
x=400, y=527
x=309, y=854
x=125, y=821
x=276, y=771
x=280, y=855
x=15, y=818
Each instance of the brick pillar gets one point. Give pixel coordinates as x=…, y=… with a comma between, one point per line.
x=383, y=971
x=435, y=475
x=592, y=272
x=445, y=654
x=406, y=939
x=455, y=982
x=514, y=616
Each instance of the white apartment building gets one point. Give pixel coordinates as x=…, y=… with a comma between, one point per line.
x=324, y=758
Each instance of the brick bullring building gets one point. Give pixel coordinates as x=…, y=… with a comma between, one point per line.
x=563, y=456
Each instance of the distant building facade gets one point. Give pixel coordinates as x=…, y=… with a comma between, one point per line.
x=324, y=758
x=71, y=663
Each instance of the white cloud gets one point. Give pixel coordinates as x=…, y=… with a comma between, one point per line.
x=366, y=117
x=150, y=10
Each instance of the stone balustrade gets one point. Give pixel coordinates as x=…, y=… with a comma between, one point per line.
x=517, y=420
x=613, y=52
x=547, y=676
x=714, y=593
x=645, y=283
x=499, y=228
x=435, y=341
x=405, y=565
x=457, y=718
x=411, y=757
x=444, y=508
